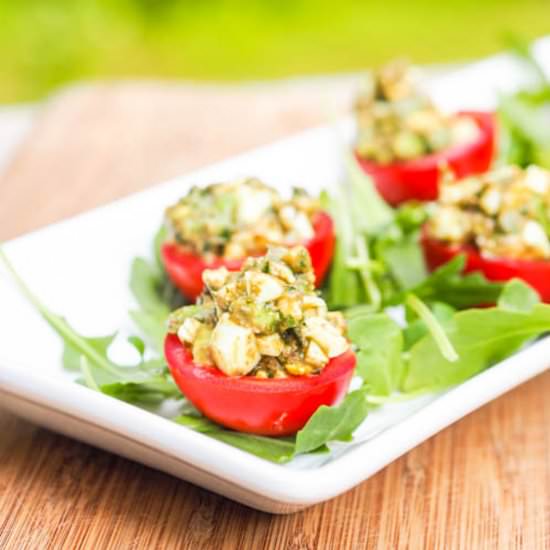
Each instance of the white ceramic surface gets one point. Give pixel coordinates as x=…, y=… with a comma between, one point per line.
x=80, y=268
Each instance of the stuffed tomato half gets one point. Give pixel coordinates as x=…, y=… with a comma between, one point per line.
x=259, y=352
x=500, y=221
x=223, y=224
x=404, y=140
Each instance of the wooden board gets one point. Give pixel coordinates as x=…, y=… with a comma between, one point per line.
x=483, y=483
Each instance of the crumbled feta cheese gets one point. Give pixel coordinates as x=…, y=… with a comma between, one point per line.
x=262, y=286
x=252, y=204
x=313, y=305
x=214, y=279
x=315, y=355
x=234, y=251
x=450, y=224
x=510, y=221
x=337, y=319
x=271, y=345
x=325, y=335
x=234, y=348
x=466, y=190
x=464, y=130
x=288, y=214
x=302, y=230
x=533, y=234
x=490, y=201
x=281, y=271
x=537, y=179
x=290, y=305
x=188, y=330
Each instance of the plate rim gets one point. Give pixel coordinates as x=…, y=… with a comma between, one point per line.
x=264, y=478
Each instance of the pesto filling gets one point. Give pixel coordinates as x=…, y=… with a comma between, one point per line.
x=504, y=213
x=266, y=320
x=397, y=122
x=241, y=218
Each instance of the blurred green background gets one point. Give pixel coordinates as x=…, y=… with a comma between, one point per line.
x=46, y=43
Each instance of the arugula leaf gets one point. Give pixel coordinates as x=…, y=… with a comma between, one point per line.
x=154, y=293
x=397, y=247
x=518, y=296
x=379, y=342
x=528, y=130
x=335, y=423
x=145, y=280
x=358, y=211
x=148, y=382
x=481, y=337
x=72, y=356
x=524, y=116
x=145, y=283
x=447, y=284
x=405, y=261
x=344, y=287
x=158, y=240
x=521, y=48
x=151, y=392
x=416, y=328
x=279, y=450
x=152, y=326
x=140, y=385
x=90, y=354
x=138, y=344
x=369, y=211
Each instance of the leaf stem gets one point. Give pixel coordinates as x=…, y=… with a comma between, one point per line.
x=362, y=263
x=434, y=327
x=87, y=373
x=58, y=323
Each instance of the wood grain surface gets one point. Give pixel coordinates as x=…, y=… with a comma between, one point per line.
x=482, y=483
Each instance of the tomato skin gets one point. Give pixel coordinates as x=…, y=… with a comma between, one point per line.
x=535, y=273
x=418, y=179
x=185, y=269
x=274, y=407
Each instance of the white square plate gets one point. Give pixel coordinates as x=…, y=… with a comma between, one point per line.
x=80, y=268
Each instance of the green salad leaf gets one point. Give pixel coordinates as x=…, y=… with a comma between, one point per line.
x=376, y=248
x=344, y=288
x=378, y=259
x=336, y=423
x=397, y=248
x=72, y=355
x=279, y=450
x=416, y=328
x=379, y=342
x=90, y=355
x=448, y=285
x=525, y=115
x=369, y=211
x=517, y=296
x=154, y=293
x=481, y=338
x=433, y=327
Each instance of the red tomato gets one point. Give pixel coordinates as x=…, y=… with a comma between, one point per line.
x=185, y=269
x=276, y=407
x=535, y=273
x=418, y=179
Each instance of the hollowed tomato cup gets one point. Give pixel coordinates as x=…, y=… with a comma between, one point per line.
x=535, y=273
x=185, y=269
x=274, y=407
x=418, y=179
